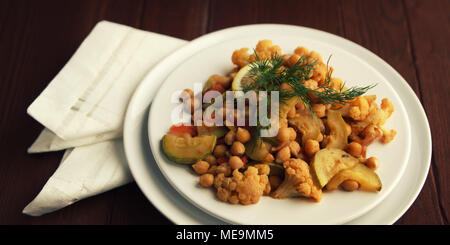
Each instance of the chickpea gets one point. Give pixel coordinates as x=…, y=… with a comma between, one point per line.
x=224, y=169
x=319, y=109
x=291, y=113
x=236, y=162
x=294, y=147
x=320, y=138
x=237, y=148
x=284, y=134
x=293, y=60
x=372, y=163
x=201, y=167
x=219, y=151
x=274, y=181
x=212, y=169
x=311, y=147
x=350, y=185
x=292, y=134
x=300, y=105
x=210, y=159
x=283, y=155
x=355, y=149
x=207, y=180
x=348, y=128
x=229, y=137
x=242, y=135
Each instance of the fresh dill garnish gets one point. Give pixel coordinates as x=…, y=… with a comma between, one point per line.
x=270, y=73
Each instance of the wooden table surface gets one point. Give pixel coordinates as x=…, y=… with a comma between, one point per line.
x=38, y=37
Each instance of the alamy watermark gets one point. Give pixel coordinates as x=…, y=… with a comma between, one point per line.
x=232, y=108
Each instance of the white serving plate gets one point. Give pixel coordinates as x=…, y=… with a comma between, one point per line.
x=351, y=62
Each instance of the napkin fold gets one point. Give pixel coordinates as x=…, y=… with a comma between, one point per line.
x=83, y=109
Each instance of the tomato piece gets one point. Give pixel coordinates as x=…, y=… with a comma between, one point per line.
x=244, y=160
x=180, y=129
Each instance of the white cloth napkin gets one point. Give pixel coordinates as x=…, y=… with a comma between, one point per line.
x=84, y=107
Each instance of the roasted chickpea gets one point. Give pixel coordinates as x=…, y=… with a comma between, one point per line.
x=293, y=60
x=201, y=167
x=350, y=185
x=355, y=149
x=283, y=155
x=311, y=147
x=300, y=105
x=207, y=180
x=236, y=162
x=210, y=159
x=372, y=163
x=319, y=110
x=224, y=169
x=229, y=137
x=294, y=147
x=348, y=128
x=220, y=151
x=212, y=169
x=237, y=148
x=284, y=134
x=292, y=134
x=242, y=135
x=320, y=138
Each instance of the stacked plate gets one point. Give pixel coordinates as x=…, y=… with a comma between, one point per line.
x=175, y=191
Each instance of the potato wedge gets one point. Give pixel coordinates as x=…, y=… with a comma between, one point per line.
x=307, y=124
x=328, y=162
x=366, y=177
x=338, y=130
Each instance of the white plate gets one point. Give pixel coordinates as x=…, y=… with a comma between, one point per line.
x=148, y=180
x=211, y=54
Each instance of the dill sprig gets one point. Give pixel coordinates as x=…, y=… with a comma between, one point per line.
x=268, y=75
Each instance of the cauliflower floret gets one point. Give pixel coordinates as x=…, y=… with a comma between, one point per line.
x=359, y=108
x=388, y=135
x=302, y=51
x=265, y=49
x=298, y=181
x=320, y=73
x=240, y=57
x=387, y=107
x=245, y=188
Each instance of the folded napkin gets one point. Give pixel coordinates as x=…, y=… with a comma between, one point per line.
x=83, y=109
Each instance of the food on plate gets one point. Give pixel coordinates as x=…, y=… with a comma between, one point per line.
x=187, y=149
x=309, y=139
x=366, y=178
x=328, y=162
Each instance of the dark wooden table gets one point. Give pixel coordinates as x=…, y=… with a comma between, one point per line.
x=38, y=37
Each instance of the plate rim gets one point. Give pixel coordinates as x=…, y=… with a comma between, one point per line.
x=384, y=63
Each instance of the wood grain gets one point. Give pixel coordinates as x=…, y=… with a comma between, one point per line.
x=38, y=37
x=427, y=22
x=362, y=24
